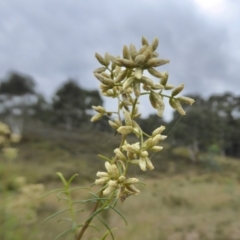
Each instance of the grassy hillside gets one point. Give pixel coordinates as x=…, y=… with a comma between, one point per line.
x=181, y=200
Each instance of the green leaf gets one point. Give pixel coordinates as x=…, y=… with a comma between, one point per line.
x=71, y=179
x=63, y=179
x=65, y=219
x=63, y=233
x=58, y=195
x=106, y=225
x=50, y=192
x=79, y=210
x=94, y=214
x=55, y=214
x=95, y=195
x=93, y=200
x=73, y=189
x=120, y=214
x=104, y=158
x=105, y=235
x=115, y=202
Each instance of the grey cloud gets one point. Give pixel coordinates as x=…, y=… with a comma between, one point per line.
x=54, y=40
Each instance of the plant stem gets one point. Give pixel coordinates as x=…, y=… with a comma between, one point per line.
x=86, y=224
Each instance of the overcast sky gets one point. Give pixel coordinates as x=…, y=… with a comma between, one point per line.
x=53, y=40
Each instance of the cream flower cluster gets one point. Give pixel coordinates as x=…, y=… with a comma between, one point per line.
x=123, y=78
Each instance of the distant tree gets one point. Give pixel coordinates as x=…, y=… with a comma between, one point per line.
x=73, y=105
x=210, y=121
x=42, y=110
x=227, y=107
x=17, y=85
x=197, y=129
x=17, y=94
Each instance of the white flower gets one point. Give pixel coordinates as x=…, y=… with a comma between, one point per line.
x=104, y=177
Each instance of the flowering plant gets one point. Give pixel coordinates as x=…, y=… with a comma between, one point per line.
x=124, y=79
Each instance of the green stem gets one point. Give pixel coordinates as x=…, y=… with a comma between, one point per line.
x=70, y=205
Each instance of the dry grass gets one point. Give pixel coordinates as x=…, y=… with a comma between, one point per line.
x=171, y=208
x=182, y=202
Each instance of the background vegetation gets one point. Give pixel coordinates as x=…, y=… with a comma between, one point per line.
x=194, y=192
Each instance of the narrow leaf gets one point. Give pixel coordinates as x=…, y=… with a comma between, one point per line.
x=106, y=225
x=120, y=214
x=103, y=157
x=73, y=189
x=63, y=233
x=62, y=178
x=65, y=219
x=48, y=193
x=71, y=179
x=54, y=215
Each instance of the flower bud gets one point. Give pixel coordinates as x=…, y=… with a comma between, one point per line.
x=113, y=183
x=131, y=181
x=99, y=109
x=96, y=117
x=100, y=59
x=142, y=49
x=119, y=154
x=169, y=87
x=126, y=53
x=121, y=179
x=155, y=44
x=148, y=54
x=136, y=89
x=156, y=148
x=102, y=174
x=101, y=180
x=149, y=164
x=147, y=81
x=158, y=130
x=125, y=130
x=133, y=51
x=144, y=41
x=107, y=59
x=138, y=73
x=128, y=83
x=132, y=189
x=140, y=59
x=179, y=108
x=113, y=124
x=126, y=63
x=100, y=70
x=144, y=154
x=156, y=139
x=186, y=100
x=121, y=76
x=155, y=73
x=148, y=143
x=177, y=90
x=164, y=78
x=104, y=80
x=155, y=62
x=160, y=110
x=146, y=87
x=128, y=119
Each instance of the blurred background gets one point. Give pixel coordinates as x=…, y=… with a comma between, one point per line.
x=47, y=89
